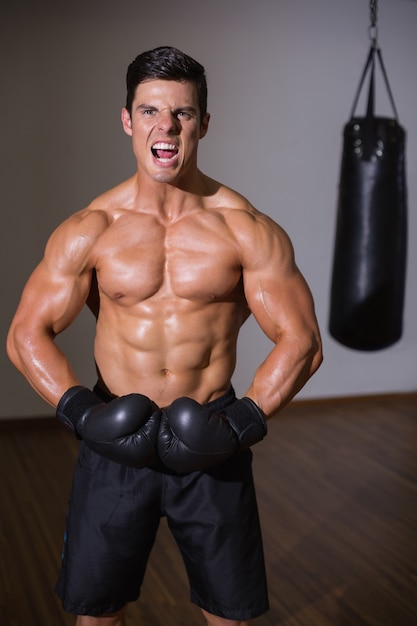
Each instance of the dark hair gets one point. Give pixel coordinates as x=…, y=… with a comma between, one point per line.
x=166, y=63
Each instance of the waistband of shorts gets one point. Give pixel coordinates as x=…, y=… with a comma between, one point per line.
x=102, y=394
x=215, y=405
x=223, y=401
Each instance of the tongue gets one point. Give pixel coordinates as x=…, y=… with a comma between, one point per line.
x=165, y=154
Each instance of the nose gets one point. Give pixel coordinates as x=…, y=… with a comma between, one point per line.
x=167, y=121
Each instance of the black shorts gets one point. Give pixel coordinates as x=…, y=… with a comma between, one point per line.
x=113, y=518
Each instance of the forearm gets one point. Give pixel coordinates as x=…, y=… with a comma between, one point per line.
x=42, y=363
x=284, y=372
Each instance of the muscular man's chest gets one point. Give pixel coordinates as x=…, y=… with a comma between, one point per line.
x=184, y=260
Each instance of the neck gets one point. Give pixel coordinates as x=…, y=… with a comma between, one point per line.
x=170, y=200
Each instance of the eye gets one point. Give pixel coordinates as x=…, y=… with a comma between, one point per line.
x=185, y=115
x=147, y=110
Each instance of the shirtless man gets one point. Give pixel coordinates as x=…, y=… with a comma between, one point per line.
x=172, y=263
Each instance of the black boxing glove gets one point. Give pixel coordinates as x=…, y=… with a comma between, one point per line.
x=192, y=437
x=124, y=430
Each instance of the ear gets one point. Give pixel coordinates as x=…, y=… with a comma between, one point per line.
x=126, y=121
x=204, y=125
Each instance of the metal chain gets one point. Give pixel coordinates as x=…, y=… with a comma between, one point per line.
x=373, y=28
x=374, y=13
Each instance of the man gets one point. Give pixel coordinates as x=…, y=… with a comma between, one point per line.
x=172, y=263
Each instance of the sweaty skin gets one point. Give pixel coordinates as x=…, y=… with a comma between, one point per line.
x=172, y=263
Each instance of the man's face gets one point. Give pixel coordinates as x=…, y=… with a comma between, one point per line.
x=165, y=127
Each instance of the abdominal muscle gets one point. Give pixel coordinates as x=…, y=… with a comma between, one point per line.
x=168, y=350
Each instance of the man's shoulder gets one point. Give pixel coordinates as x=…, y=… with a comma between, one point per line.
x=239, y=211
x=85, y=225
x=230, y=202
x=255, y=232
x=90, y=221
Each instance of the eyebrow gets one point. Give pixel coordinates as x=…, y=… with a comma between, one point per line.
x=145, y=107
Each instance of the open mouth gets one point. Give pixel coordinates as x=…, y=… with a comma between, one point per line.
x=164, y=152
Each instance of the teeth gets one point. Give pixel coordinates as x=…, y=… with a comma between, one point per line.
x=164, y=146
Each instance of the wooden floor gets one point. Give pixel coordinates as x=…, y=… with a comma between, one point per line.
x=337, y=492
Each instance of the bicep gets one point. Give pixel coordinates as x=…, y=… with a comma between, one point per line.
x=51, y=299
x=276, y=291
x=281, y=305
x=59, y=287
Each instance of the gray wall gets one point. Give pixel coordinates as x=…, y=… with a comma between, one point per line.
x=282, y=75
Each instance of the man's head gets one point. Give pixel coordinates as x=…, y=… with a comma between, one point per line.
x=166, y=63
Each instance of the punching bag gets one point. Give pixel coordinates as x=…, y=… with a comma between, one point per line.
x=369, y=264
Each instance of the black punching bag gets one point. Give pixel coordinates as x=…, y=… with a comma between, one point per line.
x=369, y=266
